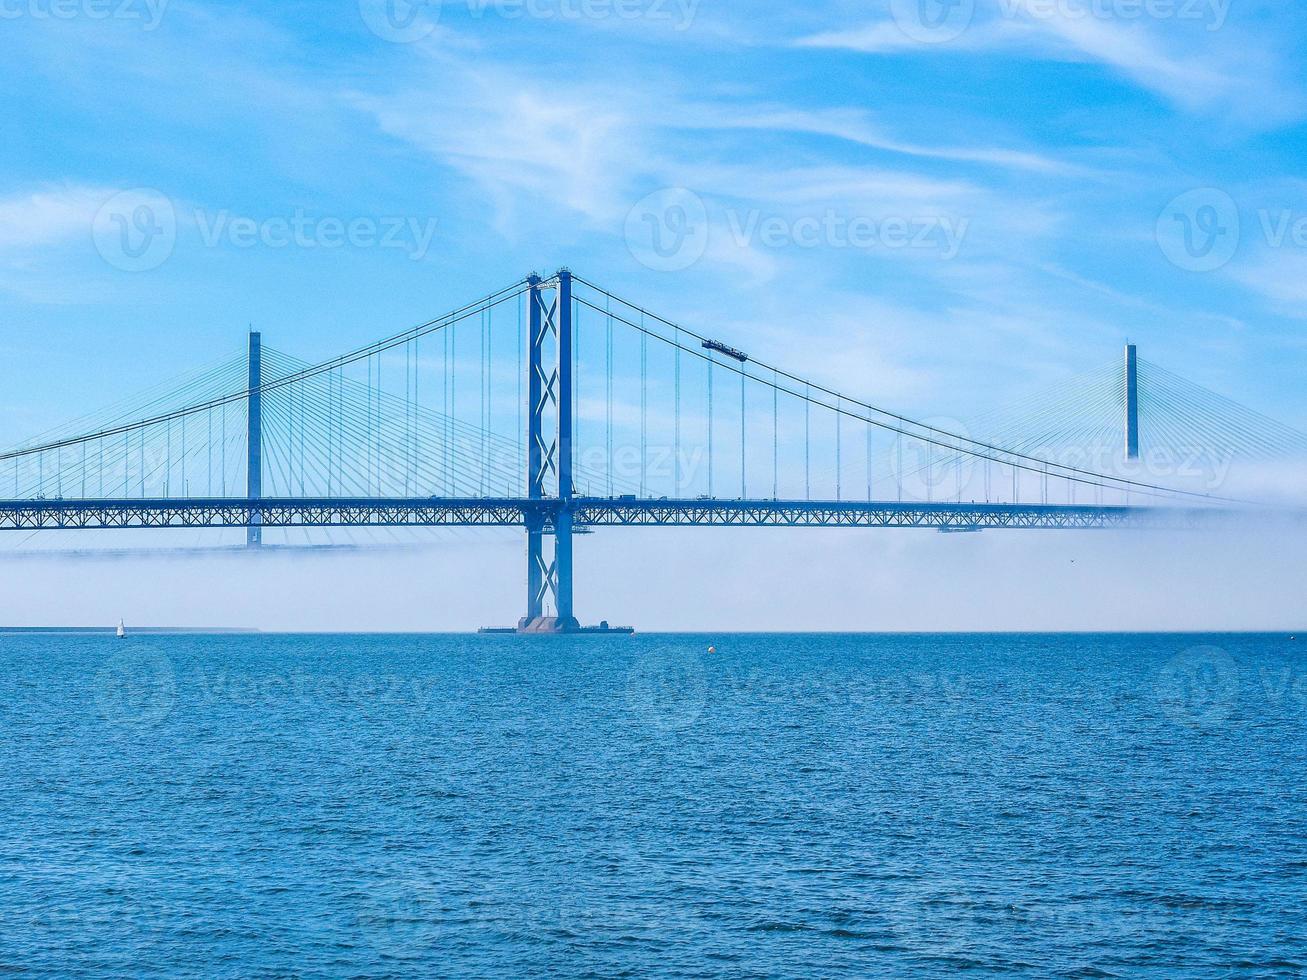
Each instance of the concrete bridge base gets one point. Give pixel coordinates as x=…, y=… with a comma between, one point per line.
x=556, y=626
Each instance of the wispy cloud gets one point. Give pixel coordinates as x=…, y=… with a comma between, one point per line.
x=1197, y=58
x=49, y=216
x=856, y=126
x=887, y=36
x=1279, y=277
x=566, y=149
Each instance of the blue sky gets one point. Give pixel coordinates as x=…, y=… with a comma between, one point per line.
x=935, y=204
x=938, y=205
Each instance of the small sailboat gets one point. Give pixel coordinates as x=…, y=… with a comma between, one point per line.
x=122, y=629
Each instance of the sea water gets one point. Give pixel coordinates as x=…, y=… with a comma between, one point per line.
x=251, y=805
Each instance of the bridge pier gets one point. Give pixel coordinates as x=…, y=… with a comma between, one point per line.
x=549, y=576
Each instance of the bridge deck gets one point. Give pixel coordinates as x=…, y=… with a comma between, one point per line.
x=588, y=512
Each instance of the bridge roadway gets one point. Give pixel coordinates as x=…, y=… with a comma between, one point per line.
x=588, y=512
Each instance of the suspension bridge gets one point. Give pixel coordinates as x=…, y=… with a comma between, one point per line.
x=557, y=407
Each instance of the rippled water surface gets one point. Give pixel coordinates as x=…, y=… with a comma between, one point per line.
x=792, y=806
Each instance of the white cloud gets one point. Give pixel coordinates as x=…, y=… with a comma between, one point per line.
x=887, y=37
x=1279, y=277
x=49, y=217
x=573, y=146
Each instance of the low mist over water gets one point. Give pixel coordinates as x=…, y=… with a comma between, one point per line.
x=1234, y=577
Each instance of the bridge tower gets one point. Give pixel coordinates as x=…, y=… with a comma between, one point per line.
x=549, y=456
x=254, y=437
x=1131, y=402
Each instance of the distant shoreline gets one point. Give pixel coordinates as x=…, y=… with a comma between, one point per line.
x=134, y=629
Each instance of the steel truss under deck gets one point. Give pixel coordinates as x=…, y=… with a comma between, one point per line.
x=585, y=512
